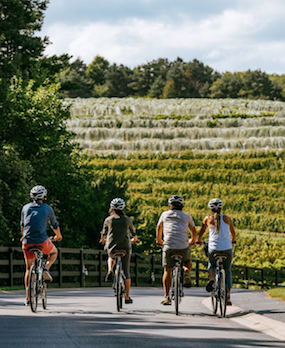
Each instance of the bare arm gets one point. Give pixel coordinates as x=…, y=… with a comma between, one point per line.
x=159, y=230
x=193, y=236
x=58, y=236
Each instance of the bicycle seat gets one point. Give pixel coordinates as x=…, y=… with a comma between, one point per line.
x=34, y=249
x=117, y=253
x=221, y=255
x=177, y=256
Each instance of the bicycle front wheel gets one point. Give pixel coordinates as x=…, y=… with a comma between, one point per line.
x=176, y=289
x=223, y=293
x=33, y=289
x=118, y=288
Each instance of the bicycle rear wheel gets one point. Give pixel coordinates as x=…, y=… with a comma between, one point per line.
x=176, y=289
x=44, y=295
x=33, y=289
x=223, y=293
x=214, y=302
x=118, y=288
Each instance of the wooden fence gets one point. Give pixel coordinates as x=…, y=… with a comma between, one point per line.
x=87, y=267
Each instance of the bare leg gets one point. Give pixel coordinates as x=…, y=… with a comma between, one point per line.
x=166, y=280
x=127, y=288
x=111, y=263
x=29, y=263
x=188, y=267
x=212, y=274
x=51, y=258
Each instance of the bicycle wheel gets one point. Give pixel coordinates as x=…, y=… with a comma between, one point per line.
x=176, y=289
x=44, y=295
x=214, y=302
x=223, y=293
x=33, y=289
x=118, y=288
x=121, y=295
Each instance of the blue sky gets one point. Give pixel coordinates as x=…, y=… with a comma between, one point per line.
x=228, y=35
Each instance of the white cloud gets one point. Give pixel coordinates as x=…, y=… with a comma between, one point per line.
x=232, y=40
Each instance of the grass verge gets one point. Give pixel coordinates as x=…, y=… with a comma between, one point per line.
x=277, y=293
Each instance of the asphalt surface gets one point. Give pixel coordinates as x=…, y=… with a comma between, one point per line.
x=88, y=318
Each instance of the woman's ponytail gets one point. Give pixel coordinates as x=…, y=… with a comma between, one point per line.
x=217, y=220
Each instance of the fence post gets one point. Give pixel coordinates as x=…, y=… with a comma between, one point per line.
x=262, y=278
x=100, y=267
x=11, y=266
x=152, y=269
x=197, y=273
x=137, y=269
x=59, y=267
x=276, y=278
x=246, y=277
x=81, y=268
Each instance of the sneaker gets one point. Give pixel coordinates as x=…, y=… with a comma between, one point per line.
x=209, y=286
x=27, y=302
x=187, y=281
x=229, y=302
x=166, y=301
x=47, y=276
x=129, y=300
x=109, y=277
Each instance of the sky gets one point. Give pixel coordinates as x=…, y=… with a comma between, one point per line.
x=227, y=35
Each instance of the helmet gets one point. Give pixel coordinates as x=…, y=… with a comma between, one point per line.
x=215, y=204
x=117, y=204
x=38, y=192
x=176, y=199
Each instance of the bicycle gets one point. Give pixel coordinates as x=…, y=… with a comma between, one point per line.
x=177, y=280
x=119, y=278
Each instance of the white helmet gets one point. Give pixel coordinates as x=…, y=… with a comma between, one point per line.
x=176, y=199
x=38, y=192
x=215, y=204
x=117, y=204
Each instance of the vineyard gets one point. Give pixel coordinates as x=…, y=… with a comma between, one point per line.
x=232, y=149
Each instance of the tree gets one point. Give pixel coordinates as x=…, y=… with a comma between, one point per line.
x=227, y=86
x=118, y=78
x=156, y=89
x=20, y=48
x=74, y=82
x=96, y=71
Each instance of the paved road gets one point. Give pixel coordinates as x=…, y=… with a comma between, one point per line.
x=87, y=318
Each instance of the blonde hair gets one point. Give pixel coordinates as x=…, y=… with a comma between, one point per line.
x=217, y=220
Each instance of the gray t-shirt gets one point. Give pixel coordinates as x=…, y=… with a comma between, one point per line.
x=118, y=230
x=175, y=229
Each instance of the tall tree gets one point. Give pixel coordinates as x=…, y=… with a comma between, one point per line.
x=20, y=20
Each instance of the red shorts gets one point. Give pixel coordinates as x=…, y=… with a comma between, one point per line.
x=46, y=248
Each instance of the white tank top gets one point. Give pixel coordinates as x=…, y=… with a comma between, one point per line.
x=222, y=240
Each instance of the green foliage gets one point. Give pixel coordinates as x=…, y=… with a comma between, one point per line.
x=96, y=70
x=251, y=185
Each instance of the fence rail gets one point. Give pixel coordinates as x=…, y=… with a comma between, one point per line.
x=87, y=267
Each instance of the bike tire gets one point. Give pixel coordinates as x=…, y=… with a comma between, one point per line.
x=118, y=288
x=33, y=289
x=176, y=290
x=223, y=294
x=44, y=295
x=121, y=296
x=214, y=302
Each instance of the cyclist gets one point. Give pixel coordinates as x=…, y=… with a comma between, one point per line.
x=34, y=219
x=174, y=225
x=220, y=241
x=116, y=234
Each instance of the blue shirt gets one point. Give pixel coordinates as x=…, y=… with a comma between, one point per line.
x=35, y=217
